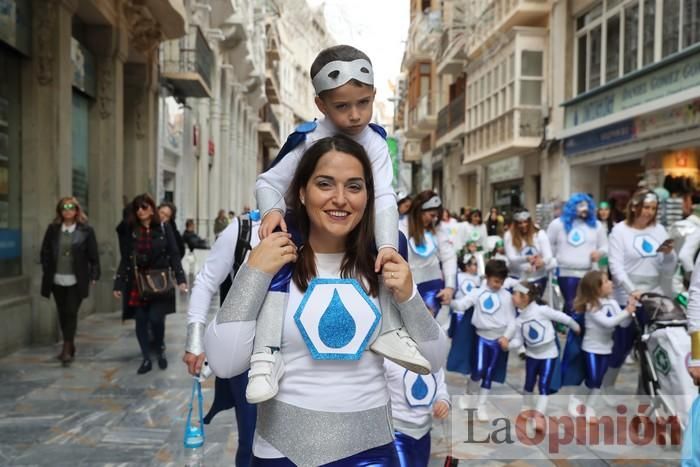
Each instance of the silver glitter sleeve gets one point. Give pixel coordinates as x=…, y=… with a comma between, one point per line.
x=195, y=338
x=420, y=324
x=246, y=296
x=268, y=199
x=386, y=227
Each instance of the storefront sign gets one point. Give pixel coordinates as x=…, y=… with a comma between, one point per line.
x=611, y=134
x=507, y=169
x=10, y=243
x=679, y=75
x=15, y=24
x=83, y=68
x=671, y=119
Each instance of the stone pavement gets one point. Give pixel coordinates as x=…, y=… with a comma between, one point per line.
x=100, y=412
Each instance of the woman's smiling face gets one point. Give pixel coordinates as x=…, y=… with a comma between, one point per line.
x=335, y=199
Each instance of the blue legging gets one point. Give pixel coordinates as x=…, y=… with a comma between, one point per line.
x=568, y=286
x=486, y=356
x=428, y=292
x=596, y=366
x=381, y=456
x=544, y=368
x=412, y=452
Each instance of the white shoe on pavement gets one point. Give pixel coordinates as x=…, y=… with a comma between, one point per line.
x=481, y=414
x=266, y=369
x=463, y=402
x=399, y=347
x=574, y=403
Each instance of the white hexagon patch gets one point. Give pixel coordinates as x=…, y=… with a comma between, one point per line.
x=428, y=246
x=489, y=302
x=419, y=390
x=576, y=237
x=336, y=319
x=533, y=331
x=645, y=245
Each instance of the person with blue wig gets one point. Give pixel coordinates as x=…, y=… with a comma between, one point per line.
x=578, y=242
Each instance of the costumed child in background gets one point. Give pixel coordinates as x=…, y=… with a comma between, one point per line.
x=499, y=252
x=534, y=327
x=343, y=80
x=592, y=353
x=578, y=242
x=493, y=312
x=461, y=331
x=472, y=248
x=415, y=400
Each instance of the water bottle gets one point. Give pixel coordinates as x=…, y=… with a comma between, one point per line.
x=193, y=439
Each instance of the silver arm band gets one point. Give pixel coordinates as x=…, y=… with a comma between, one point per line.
x=386, y=227
x=195, y=338
x=269, y=199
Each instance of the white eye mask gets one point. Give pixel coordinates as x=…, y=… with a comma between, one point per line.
x=360, y=70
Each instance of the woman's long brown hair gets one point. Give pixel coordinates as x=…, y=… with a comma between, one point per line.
x=635, y=206
x=518, y=238
x=588, y=291
x=80, y=217
x=416, y=229
x=358, y=262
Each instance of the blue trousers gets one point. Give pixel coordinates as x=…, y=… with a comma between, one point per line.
x=568, y=286
x=596, y=366
x=428, y=292
x=542, y=368
x=413, y=452
x=486, y=357
x=381, y=456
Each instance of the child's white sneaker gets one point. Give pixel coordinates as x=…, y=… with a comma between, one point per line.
x=266, y=369
x=464, y=402
x=399, y=347
x=481, y=414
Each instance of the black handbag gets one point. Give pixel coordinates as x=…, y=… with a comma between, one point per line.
x=155, y=283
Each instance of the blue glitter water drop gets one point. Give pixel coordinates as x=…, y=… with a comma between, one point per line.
x=532, y=333
x=469, y=287
x=488, y=303
x=647, y=247
x=336, y=328
x=609, y=314
x=576, y=237
x=419, y=389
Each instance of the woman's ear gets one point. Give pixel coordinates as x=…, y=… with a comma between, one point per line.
x=302, y=195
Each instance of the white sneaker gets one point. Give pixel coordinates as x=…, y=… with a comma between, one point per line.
x=399, y=347
x=481, y=414
x=266, y=369
x=574, y=402
x=631, y=358
x=463, y=402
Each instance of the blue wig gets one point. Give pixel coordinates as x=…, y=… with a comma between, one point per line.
x=569, y=215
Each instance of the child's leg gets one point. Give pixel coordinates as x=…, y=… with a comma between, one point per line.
x=568, y=286
x=412, y=451
x=493, y=351
x=596, y=366
x=266, y=365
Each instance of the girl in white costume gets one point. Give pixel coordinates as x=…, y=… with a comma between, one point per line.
x=534, y=328
x=640, y=253
x=431, y=256
x=528, y=250
x=330, y=300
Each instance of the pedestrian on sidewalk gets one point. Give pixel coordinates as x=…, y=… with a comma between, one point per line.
x=220, y=223
x=150, y=245
x=70, y=263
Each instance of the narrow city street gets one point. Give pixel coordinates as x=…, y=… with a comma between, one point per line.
x=100, y=412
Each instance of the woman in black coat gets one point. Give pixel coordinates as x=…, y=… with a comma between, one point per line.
x=70, y=263
x=149, y=245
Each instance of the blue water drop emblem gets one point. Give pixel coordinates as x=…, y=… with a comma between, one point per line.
x=336, y=328
x=647, y=247
x=532, y=333
x=576, y=237
x=469, y=287
x=422, y=249
x=488, y=303
x=419, y=390
x=609, y=313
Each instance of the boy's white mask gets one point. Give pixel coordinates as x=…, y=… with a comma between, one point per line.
x=360, y=70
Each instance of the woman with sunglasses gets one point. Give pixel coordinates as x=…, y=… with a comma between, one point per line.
x=70, y=263
x=149, y=245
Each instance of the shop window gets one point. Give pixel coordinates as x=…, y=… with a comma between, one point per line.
x=10, y=176
x=531, y=63
x=691, y=22
x=612, y=49
x=648, y=34
x=671, y=27
x=630, y=62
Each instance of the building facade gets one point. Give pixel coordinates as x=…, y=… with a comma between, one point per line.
x=78, y=111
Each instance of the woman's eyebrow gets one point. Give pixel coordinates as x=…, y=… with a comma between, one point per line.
x=331, y=178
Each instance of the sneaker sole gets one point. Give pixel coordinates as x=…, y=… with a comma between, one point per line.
x=422, y=368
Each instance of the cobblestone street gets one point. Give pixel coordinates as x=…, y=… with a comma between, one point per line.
x=100, y=412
